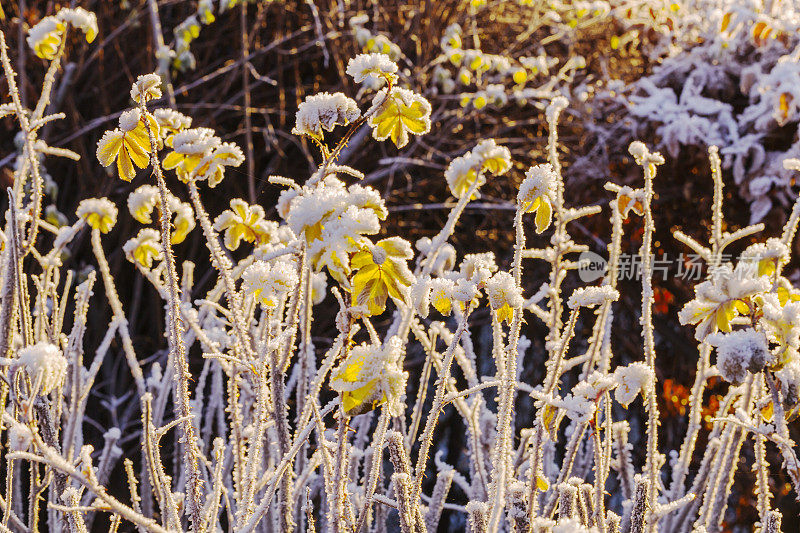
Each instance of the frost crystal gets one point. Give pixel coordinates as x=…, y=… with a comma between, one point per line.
x=739, y=352
x=146, y=87
x=592, y=296
x=324, y=111
x=371, y=67
x=269, y=282
x=44, y=361
x=540, y=180
x=631, y=380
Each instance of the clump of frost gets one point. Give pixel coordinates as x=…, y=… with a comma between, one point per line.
x=592, y=296
x=502, y=290
x=571, y=525
x=371, y=67
x=324, y=111
x=740, y=352
x=631, y=380
x=19, y=437
x=44, y=361
x=269, y=282
x=540, y=180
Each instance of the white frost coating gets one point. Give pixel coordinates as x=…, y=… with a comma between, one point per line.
x=141, y=203
x=324, y=111
x=571, y=525
x=557, y=105
x=144, y=248
x=772, y=250
x=789, y=379
x=268, y=282
x=129, y=119
x=739, y=352
x=147, y=86
x=638, y=150
x=420, y=294
x=592, y=296
x=631, y=380
x=20, y=437
x=374, y=368
x=540, y=180
x=464, y=290
x=477, y=268
x=44, y=361
x=462, y=171
x=370, y=67
x=502, y=290
x=495, y=158
x=100, y=207
x=441, y=294
x=43, y=29
x=171, y=121
x=319, y=284
x=82, y=19
x=195, y=141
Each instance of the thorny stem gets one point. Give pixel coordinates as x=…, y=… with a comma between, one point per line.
x=438, y=402
x=505, y=433
x=194, y=482
x=652, y=462
x=222, y=265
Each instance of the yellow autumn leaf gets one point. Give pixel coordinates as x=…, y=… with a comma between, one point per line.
x=370, y=376
x=541, y=483
x=399, y=114
x=726, y=20
x=767, y=411
x=128, y=147
x=381, y=272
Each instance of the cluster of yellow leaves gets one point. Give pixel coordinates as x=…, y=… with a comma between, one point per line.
x=370, y=376
x=243, y=222
x=144, y=248
x=99, y=213
x=146, y=198
x=129, y=144
x=465, y=170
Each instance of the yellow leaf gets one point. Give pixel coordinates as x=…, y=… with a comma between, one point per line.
x=382, y=272
x=543, y=215
x=767, y=412
x=726, y=20
x=541, y=483
x=403, y=112
x=505, y=313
